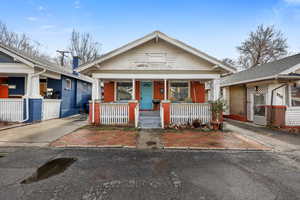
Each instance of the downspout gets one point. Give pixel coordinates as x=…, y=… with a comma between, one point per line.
x=272, y=96
x=27, y=98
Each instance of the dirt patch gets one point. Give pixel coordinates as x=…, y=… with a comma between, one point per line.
x=97, y=137
x=212, y=139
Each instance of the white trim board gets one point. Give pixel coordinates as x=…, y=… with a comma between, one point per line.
x=156, y=76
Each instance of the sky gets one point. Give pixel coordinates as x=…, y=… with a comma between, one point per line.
x=216, y=27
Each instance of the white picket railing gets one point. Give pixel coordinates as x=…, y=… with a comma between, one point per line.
x=11, y=110
x=162, y=116
x=182, y=113
x=292, y=116
x=50, y=108
x=136, y=115
x=114, y=113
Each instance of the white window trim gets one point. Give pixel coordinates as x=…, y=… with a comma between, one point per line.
x=68, y=88
x=116, y=89
x=176, y=81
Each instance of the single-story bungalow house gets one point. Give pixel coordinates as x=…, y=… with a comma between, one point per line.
x=154, y=73
x=267, y=94
x=34, y=89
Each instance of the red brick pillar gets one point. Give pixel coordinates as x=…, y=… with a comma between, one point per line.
x=132, y=105
x=166, y=106
x=96, y=112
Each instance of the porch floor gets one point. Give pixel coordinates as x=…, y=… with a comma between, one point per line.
x=149, y=119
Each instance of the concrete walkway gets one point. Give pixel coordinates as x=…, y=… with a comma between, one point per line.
x=41, y=134
x=277, y=140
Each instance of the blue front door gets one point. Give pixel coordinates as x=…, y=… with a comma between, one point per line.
x=146, y=95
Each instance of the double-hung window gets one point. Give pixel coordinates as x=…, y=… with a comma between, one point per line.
x=179, y=90
x=124, y=91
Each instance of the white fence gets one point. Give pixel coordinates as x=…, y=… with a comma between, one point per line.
x=182, y=113
x=11, y=110
x=292, y=116
x=50, y=108
x=114, y=113
x=136, y=115
x=162, y=116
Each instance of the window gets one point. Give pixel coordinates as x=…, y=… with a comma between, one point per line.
x=68, y=84
x=179, y=91
x=295, y=94
x=124, y=91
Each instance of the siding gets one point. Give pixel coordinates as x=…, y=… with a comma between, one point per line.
x=5, y=58
x=68, y=96
x=83, y=94
x=19, y=82
x=237, y=100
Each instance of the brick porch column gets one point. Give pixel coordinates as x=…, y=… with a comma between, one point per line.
x=166, y=106
x=132, y=105
x=96, y=112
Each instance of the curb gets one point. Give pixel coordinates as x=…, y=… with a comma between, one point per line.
x=163, y=148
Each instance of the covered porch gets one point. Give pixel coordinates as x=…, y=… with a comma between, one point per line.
x=176, y=98
x=24, y=96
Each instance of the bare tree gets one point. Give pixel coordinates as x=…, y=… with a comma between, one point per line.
x=264, y=45
x=21, y=42
x=84, y=46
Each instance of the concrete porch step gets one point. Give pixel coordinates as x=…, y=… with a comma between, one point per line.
x=149, y=119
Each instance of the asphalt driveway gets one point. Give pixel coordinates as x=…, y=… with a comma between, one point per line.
x=130, y=174
x=41, y=134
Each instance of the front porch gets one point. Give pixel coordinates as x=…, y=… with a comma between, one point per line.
x=27, y=98
x=176, y=100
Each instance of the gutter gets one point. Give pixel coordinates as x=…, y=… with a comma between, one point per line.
x=27, y=98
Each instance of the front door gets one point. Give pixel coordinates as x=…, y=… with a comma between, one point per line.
x=146, y=95
x=259, y=106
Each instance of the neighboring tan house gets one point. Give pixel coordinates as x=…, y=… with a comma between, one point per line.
x=34, y=89
x=155, y=72
x=267, y=94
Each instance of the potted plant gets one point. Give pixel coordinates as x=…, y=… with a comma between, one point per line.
x=217, y=109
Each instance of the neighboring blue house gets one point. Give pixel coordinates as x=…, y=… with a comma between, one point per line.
x=34, y=89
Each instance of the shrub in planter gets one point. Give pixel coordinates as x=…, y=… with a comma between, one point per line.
x=217, y=108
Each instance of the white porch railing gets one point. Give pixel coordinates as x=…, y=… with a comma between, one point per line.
x=136, y=115
x=50, y=109
x=162, y=116
x=182, y=113
x=11, y=110
x=114, y=113
x=292, y=116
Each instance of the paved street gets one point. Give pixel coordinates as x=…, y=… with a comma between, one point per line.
x=130, y=174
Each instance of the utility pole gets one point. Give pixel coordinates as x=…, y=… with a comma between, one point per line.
x=63, y=54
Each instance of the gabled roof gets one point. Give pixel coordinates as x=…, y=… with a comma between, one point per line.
x=271, y=70
x=158, y=35
x=35, y=61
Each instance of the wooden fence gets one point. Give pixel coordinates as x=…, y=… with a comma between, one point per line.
x=11, y=110
x=182, y=113
x=114, y=113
